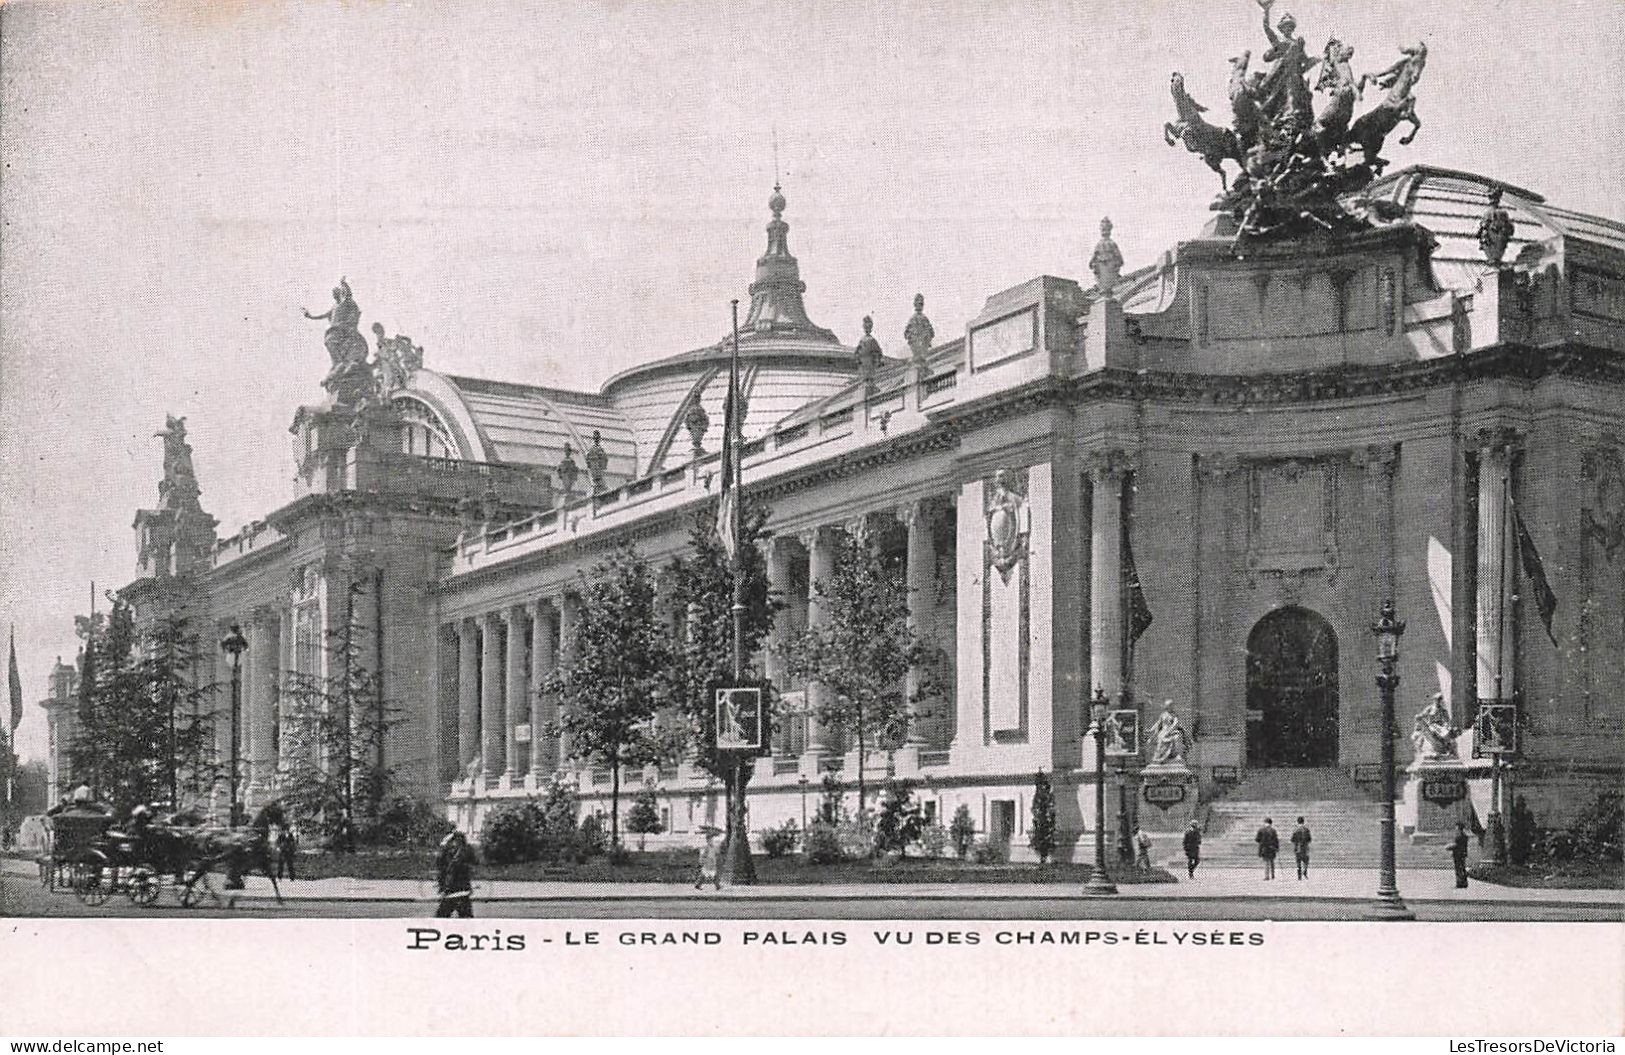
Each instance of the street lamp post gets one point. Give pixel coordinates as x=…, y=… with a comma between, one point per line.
x=1389, y=905
x=1099, y=883
x=234, y=644
x=802, y=780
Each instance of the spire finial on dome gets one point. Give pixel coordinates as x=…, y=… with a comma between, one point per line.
x=777, y=202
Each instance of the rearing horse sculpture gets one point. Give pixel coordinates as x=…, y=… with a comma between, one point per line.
x=1214, y=144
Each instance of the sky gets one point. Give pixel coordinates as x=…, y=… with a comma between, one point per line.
x=550, y=193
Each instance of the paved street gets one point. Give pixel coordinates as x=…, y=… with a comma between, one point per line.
x=1220, y=894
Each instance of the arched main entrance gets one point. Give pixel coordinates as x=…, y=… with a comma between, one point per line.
x=1292, y=690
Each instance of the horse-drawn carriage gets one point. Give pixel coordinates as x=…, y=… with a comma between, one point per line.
x=98, y=861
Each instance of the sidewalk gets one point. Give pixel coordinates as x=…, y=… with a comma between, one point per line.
x=1352, y=884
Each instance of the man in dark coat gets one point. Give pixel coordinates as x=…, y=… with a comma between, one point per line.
x=1458, y=855
x=1269, y=844
x=454, y=875
x=1300, y=848
x=1193, y=849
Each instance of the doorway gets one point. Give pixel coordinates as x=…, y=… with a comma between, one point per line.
x=1292, y=690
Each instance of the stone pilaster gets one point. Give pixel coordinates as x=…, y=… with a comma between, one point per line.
x=1497, y=449
x=260, y=696
x=1107, y=470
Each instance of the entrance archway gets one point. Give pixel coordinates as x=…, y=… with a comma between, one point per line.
x=1292, y=690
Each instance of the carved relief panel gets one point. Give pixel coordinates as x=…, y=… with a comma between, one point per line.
x=1006, y=605
x=1292, y=516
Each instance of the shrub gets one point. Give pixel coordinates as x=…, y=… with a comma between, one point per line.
x=1599, y=829
x=934, y=840
x=962, y=832
x=900, y=820
x=776, y=842
x=1041, y=836
x=592, y=838
x=857, y=836
x=644, y=817
x=557, y=835
x=822, y=844
x=832, y=802
x=988, y=852
x=619, y=855
x=509, y=834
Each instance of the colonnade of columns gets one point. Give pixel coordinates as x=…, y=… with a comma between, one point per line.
x=503, y=658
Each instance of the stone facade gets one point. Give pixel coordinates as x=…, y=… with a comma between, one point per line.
x=1198, y=484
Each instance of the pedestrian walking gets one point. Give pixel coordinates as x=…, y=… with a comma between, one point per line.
x=1300, y=848
x=454, y=876
x=710, y=860
x=286, y=846
x=1458, y=855
x=1193, y=849
x=1142, y=849
x=1269, y=844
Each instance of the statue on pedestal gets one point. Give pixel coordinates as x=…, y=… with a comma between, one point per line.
x=1107, y=260
x=868, y=351
x=349, y=379
x=1432, y=735
x=1495, y=230
x=1168, y=739
x=919, y=333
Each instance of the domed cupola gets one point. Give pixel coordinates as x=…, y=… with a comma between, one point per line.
x=775, y=296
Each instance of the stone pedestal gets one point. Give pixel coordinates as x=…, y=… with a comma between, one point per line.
x=1436, y=789
x=1167, y=797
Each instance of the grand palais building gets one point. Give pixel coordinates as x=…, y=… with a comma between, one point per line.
x=1195, y=481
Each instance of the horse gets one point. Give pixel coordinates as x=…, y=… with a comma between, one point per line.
x=1372, y=129
x=240, y=851
x=1214, y=144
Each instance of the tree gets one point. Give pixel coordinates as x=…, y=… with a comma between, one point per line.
x=1041, y=834
x=962, y=832
x=644, y=817
x=864, y=650
x=610, y=692
x=334, y=728
x=703, y=583
x=146, y=720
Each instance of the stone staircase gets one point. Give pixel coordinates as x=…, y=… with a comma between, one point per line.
x=1345, y=820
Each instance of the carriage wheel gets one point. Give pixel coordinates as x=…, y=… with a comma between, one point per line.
x=143, y=887
x=93, y=882
x=47, y=873
x=193, y=889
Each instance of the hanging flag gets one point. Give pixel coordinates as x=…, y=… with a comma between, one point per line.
x=1139, y=613
x=728, y=505
x=15, y=682
x=1535, y=571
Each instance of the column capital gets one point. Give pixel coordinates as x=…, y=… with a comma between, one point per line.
x=1379, y=459
x=810, y=537
x=918, y=509
x=1110, y=463
x=1218, y=464
x=1498, y=439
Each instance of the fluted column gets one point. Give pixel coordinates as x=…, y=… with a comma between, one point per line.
x=468, y=696
x=284, y=661
x=492, y=757
x=1106, y=472
x=1496, y=449
x=260, y=696
x=922, y=575
x=515, y=710
x=820, y=568
x=543, y=710
x=569, y=616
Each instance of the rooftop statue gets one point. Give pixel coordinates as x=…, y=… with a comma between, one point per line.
x=1495, y=230
x=397, y=359
x=1107, y=260
x=1295, y=165
x=868, y=351
x=919, y=333
x=349, y=379
x=178, y=489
